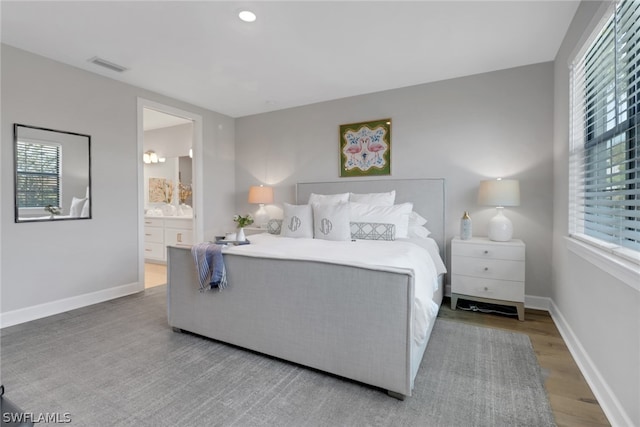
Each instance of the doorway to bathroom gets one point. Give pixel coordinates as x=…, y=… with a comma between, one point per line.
x=169, y=146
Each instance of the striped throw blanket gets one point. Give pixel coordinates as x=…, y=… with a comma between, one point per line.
x=209, y=265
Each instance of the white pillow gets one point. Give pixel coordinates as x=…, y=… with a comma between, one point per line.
x=297, y=221
x=331, y=222
x=416, y=219
x=76, y=207
x=85, y=210
x=331, y=199
x=376, y=199
x=396, y=214
x=418, y=231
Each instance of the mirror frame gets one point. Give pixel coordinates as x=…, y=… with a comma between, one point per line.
x=16, y=127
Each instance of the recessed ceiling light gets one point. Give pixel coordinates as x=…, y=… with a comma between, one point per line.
x=247, y=16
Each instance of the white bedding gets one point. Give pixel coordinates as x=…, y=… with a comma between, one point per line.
x=399, y=255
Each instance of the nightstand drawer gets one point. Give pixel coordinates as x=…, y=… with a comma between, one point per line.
x=488, y=288
x=488, y=268
x=491, y=251
x=153, y=234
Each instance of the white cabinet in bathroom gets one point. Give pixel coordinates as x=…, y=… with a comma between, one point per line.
x=162, y=232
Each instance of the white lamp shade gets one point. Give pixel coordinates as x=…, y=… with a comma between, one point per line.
x=260, y=194
x=499, y=192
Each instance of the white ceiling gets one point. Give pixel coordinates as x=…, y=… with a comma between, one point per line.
x=153, y=119
x=296, y=53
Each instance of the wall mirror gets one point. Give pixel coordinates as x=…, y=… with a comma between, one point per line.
x=52, y=174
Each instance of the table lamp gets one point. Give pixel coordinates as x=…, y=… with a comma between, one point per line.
x=261, y=195
x=500, y=193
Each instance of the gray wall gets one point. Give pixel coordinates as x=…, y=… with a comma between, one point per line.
x=44, y=263
x=600, y=313
x=489, y=125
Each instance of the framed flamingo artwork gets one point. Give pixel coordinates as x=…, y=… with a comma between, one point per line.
x=365, y=148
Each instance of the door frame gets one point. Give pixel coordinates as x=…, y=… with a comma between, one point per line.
x=197, y=178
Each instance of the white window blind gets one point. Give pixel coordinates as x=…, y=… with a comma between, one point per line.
x=604, y=205
x=37, y=174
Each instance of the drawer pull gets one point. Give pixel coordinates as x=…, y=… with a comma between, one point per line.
x=486, y=252
x=146, y=234
x=147, y=250
x=486, y=289
x=486, y=269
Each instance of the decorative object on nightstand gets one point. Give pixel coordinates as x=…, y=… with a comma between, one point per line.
x=242, y=221
x=466, y=231
x=261, y=195
x=487, y=271
x=500, y=193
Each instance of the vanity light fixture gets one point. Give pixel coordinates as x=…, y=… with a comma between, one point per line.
x=150, y=157
x=247, y=16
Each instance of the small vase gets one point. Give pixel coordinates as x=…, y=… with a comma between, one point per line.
x=240, y=237
x=465, y=227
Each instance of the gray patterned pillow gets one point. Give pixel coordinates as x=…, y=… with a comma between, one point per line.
x=274, y=226
x=373, y=231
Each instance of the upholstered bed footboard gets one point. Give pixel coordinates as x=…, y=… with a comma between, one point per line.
x=345, y=320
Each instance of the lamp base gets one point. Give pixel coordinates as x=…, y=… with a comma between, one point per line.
x=261, y=217
x=500, y=227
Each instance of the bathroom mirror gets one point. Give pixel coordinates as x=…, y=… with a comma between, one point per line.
x=52, y=180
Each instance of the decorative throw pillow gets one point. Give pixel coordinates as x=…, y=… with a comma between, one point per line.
x=76, y=207
x=331, y=222
x=330, y=199
x=373, y=231
x=396, y=214
x=418, y=231
x=274, y=226
x=376, y=199
x=416, y=219
x=297, y=221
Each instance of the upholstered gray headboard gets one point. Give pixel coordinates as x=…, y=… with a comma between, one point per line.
x=427, y=196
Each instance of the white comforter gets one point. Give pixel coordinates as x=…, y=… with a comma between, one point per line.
x=394, y=256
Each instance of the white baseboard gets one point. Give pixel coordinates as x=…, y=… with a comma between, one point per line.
x=39, y=311
x=607, y=400
x=537, y=303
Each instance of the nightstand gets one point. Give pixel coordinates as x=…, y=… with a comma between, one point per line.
x=487, y=271
x=248, y=231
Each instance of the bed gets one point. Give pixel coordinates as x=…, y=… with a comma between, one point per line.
x=349, y=319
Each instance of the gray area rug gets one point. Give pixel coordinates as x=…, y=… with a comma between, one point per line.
x=119, y=364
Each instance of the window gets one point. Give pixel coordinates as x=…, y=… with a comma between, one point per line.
x=604, y=205
x=37, y=174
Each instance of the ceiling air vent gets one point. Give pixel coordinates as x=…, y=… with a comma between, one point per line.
x=106, y=64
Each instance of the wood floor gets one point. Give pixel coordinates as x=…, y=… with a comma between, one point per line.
x=154, y=275
x=571, y=399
